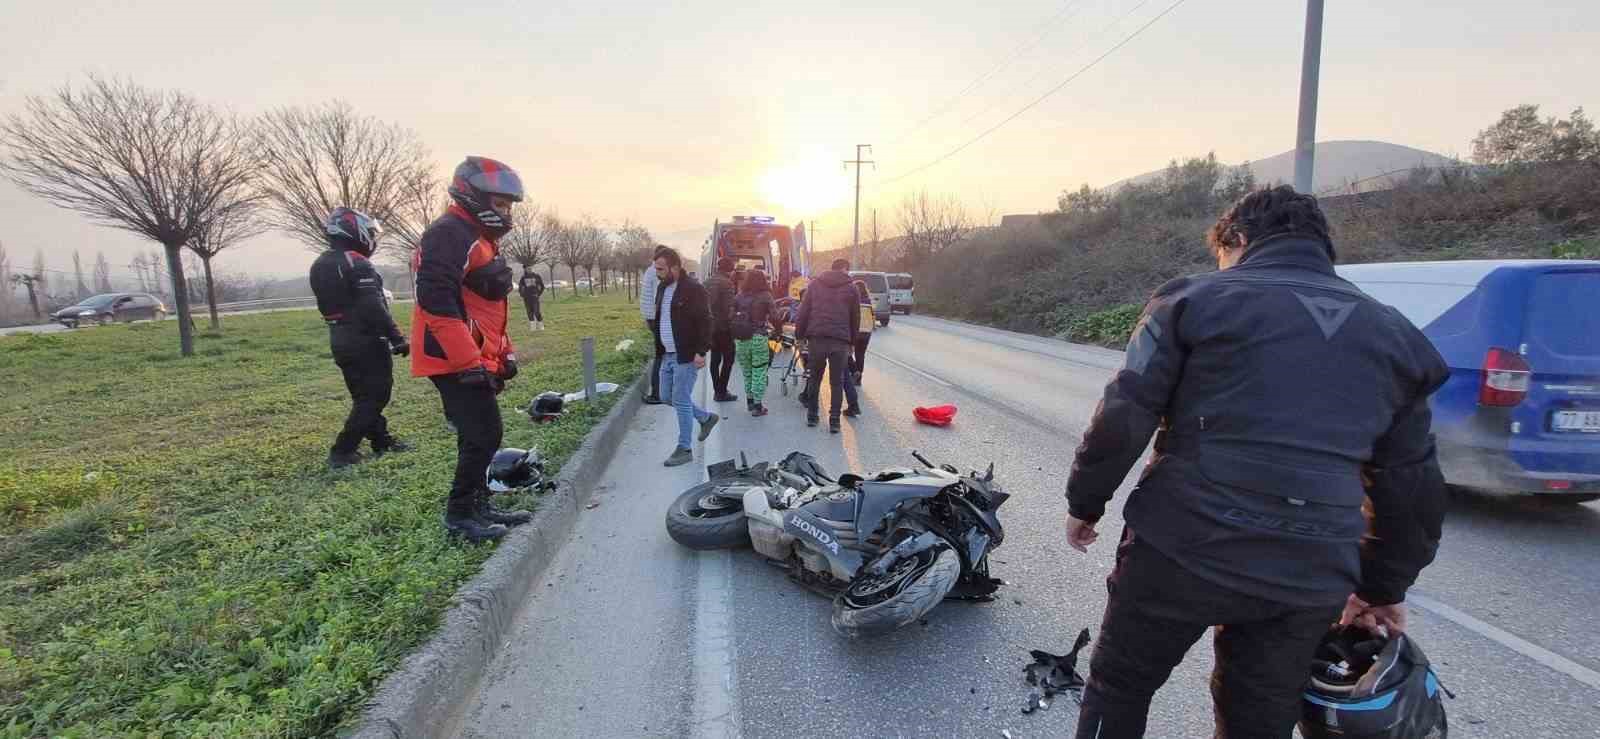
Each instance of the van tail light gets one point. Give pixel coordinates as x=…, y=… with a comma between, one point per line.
x=1506, y=377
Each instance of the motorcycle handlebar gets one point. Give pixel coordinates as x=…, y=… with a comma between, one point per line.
x=924, y=460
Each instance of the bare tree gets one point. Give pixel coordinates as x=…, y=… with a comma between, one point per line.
x=102, y=273
x=532, y=236
x=316, y=159
x=930, y=225
x=153, y=259
x=77, y=270
x=592, y=240
x=35, y=283
x=156, y=163
x=572, y=247
x=634, y=247
x=6, y=285
x=233, y=223
x=422, y=199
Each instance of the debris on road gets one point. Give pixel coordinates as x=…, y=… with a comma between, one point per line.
x=592, y=506
x=940, y=415
x=1055, y=674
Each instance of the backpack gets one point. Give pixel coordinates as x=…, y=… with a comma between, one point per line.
x=744, y=324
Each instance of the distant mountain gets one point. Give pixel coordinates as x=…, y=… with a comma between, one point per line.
x=1371, y=164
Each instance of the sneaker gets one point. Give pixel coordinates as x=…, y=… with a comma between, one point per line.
x=852, y=412
x=726, y=397
x=761, y=410
x=653, y=400
x=811, y=421
x=708, y=424
x=339, y=461
x=833, y=425
x=680, y=456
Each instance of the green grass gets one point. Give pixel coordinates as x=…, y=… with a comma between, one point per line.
x=176, y=561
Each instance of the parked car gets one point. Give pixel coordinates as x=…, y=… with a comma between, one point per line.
x=109, y=308
x=878, y=290
x=1521, y=410
x=902, y=297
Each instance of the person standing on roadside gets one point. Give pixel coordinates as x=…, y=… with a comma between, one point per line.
x=858, y=363
x=1286, y=401
x=683, y=336
x=648, y=287
x=361, y=333
x=459, y=327
x=531, y=288
x=753, y=319
x=720, y=290
x=829, y=321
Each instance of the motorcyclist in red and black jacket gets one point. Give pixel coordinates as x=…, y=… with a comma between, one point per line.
x=361, y=333
x=459, y=327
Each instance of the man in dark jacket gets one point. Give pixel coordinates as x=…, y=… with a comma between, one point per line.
x=361, y=333
x=829, y=320
x=1284, y=398
x=720, y=290
x=531, y=288
x=683, y=335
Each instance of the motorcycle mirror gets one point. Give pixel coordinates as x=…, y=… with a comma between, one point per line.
x=924, y=460
x=744, y=462
x=989, y=476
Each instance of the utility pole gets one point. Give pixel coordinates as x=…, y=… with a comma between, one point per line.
x=855, y=238
x=1310, y=68
x=874, y=238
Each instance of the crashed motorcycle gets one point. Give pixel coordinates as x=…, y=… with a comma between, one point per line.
x=886, y=548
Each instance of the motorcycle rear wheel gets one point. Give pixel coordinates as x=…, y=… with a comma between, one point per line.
x=908, y=591
x=698, y=519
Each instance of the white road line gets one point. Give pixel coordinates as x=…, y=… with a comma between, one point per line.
x=1507, y=639
x=715, y=712
x=905, y=366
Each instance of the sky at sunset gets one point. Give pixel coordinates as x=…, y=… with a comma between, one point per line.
x=674, y=114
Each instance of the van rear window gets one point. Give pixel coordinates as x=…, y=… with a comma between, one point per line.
x=1564, y=313
x=901, y=282
x=875, y=283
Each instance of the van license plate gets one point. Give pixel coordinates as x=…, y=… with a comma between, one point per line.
x=1581, y=421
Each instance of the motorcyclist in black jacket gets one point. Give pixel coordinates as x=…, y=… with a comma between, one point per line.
x=1283, y=401
x=361, y=333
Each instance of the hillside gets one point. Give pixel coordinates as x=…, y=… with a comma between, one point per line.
x=1338, y=164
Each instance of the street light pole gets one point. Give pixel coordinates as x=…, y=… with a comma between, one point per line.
x=1310, y=69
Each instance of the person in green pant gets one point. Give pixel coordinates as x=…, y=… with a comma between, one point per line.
x=752, y=315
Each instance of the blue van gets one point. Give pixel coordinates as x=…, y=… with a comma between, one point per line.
x=1521, y=410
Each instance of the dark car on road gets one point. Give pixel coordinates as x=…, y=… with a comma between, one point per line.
x=110, y=308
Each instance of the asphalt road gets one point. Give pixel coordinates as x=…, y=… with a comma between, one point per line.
x=631, y=635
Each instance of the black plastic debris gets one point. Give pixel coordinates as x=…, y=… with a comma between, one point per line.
x=1054, y=674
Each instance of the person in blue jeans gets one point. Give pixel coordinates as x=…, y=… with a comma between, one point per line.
x=683, y=336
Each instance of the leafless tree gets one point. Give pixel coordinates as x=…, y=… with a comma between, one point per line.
x=77, y=271
x=316, y=159
x=6, y=285
x=532, y=236
x=572, y=247
x=34, y=282
x=156, y=163
x=930, y=225
x=233, y=223
x=102, y=273
x=592, y=239
x=422, y=199
x=634, y=247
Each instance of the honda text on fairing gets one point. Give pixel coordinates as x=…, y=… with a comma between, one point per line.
x=887, y=548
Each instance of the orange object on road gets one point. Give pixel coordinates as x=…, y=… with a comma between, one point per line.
x=940, y=415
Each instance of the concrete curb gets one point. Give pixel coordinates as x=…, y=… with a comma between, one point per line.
x=424, y=695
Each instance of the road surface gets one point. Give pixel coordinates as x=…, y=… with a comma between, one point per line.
x=631, y=635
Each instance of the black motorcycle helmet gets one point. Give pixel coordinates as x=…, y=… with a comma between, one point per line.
x=475, y=180
x=1366, y=685
x=515, y=469
x=547, y=406
x=349, y=228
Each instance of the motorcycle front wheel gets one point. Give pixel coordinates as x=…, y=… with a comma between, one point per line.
x=905, y=592
x=700, y=519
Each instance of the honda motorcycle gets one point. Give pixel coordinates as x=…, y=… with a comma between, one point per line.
x=887, y=548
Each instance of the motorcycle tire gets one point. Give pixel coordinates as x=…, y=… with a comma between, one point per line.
x=692, y=523
x=922, y=588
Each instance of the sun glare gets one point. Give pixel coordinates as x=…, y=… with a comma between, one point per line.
x=805, y=188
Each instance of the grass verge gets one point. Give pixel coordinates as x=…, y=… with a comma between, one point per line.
x=176, y=561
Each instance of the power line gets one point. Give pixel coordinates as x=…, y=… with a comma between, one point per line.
x=1041, y=98
x=1016, y=53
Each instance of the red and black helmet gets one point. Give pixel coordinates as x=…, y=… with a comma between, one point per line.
x=475, y=180
x=353, y=229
